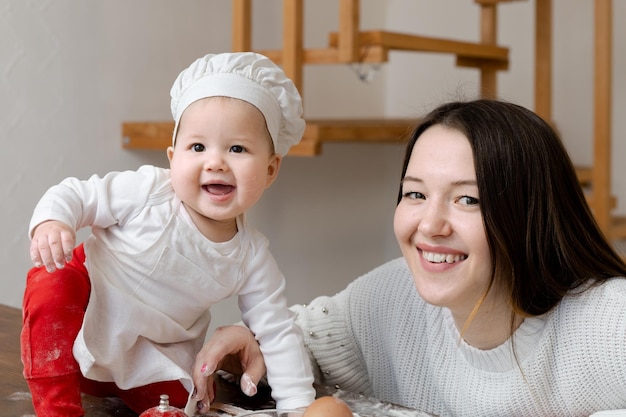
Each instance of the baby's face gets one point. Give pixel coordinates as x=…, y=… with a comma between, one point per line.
x=223, y=159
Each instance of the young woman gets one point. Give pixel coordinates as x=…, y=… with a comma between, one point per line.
x=520, y=308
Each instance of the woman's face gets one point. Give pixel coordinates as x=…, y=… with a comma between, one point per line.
x=438, y=222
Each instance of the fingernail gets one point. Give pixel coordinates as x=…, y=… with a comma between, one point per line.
x=199, y=405
x=247, y=386
x=59, y=265
x=205, y=371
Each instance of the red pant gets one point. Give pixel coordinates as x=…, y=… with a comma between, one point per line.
x=53, y=310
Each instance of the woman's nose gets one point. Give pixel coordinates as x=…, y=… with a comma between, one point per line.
x=435, y=221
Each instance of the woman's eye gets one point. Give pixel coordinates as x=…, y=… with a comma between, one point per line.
x=197, y=147
x=469, y=201
x=413, y=195
x=237, y=149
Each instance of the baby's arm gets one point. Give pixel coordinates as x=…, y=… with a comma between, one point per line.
x=74, y=204
x=52, y=244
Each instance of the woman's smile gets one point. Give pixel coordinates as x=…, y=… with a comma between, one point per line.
x=438, y=258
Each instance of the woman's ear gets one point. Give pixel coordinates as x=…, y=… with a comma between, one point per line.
x=272, y=169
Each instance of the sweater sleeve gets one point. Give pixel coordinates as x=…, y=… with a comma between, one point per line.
x=336, y=359
x=342, y=331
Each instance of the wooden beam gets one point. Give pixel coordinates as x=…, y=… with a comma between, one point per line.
x=495, y=1
x=416, y=43
x=480, y=63
x=242, y=26
x=601, y=176
x=293, y=41
x=348, y=42
x=158, y=135
x=618, y=229
x=584, y=176
x=488, y=36
x=147, y=135
x=318, y=132
x=543, y=59
x=372, y=54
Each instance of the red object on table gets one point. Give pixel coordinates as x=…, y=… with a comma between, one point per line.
x=164, y=409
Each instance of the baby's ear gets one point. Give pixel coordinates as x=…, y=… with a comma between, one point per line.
x=170, y=153
x=272, y=169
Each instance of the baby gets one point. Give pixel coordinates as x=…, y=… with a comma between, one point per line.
x=125, y=313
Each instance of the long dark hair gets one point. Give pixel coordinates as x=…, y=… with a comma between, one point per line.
x=543, y=238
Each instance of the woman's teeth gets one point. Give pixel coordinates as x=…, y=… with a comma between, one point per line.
x=442, y=257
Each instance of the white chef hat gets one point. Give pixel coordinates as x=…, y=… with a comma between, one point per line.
x=246, y=76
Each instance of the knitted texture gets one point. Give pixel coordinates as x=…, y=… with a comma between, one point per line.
x=380, y=338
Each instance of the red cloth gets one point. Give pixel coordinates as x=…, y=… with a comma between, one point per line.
x=53, y=308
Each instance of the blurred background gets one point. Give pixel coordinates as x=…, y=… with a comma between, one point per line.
x=71, y=72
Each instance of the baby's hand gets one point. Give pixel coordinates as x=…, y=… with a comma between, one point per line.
x=52, y=245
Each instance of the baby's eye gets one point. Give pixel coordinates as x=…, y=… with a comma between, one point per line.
x=413, y=195
x=469, y=201
x=237, y=149
x=198, y=147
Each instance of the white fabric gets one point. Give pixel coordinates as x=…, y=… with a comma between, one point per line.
x=245, y=76
x=154, y=278
x=378, y=337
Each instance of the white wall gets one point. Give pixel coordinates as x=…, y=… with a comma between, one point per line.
x=71, y=72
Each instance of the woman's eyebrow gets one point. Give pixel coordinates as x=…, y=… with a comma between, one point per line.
x=465, y=182
x=411, y=179
x=455, y=183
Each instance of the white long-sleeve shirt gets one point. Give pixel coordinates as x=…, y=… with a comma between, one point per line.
x=154, y=278
x=378, y=337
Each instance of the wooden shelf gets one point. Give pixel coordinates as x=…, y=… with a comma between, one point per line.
x=375, y=47
x=584, y=175
x=416, y=43
x=617, y=229
x=350, y=45
x=317, y=132
x=158, y=135
x=147, y=135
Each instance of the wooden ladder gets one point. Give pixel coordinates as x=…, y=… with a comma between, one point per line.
x=597, y=178
x=350, y=45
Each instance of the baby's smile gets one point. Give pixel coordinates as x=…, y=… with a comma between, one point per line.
x=218, y=189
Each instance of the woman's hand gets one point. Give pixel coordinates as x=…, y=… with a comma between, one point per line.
x=232, y=349
x=52, y=245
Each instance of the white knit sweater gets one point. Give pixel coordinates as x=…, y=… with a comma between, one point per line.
x=379, y=338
